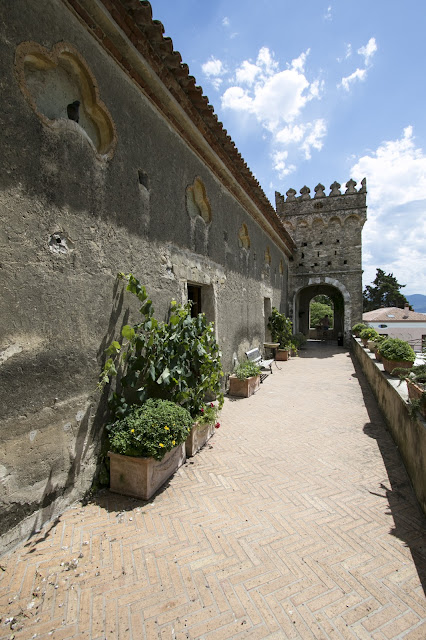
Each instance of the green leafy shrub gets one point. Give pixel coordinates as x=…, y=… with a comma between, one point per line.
x=247, y=370
x=397, y=350
x=369, y=333
x=281, y=328
x=150, y=430
x=358, y=327
x=378, y=340
x=178, y=360
x=299, y=340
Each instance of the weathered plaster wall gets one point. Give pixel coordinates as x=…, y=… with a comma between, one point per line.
x=70, y=219
x=409, y=433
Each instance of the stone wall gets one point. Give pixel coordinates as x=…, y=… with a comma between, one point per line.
x=327, y=260
x=121, y=190
x=408, y=433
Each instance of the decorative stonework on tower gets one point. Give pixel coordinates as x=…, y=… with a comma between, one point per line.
x=328, y=259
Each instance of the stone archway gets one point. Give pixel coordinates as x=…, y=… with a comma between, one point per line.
x=340, y=297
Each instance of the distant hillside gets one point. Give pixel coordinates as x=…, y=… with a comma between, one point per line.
x=418, y=302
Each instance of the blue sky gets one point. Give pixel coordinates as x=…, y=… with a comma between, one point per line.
x=314, y=91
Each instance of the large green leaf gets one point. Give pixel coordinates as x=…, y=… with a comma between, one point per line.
x=128, y=332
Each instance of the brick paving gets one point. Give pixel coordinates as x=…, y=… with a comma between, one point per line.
x=296, y=521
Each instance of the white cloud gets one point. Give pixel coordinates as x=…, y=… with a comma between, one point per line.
x=314, y=139
x=394, y=236
x=310, y=135
x=368, y=51
x=328, y=15
x=213, y=67
x=225, y=22
x=238, y=99
x=266, y=61
x=279, y=159
x=291, y=134
x=299, y=63
x=274, y=97
x=359, y=74
x=246, y=73
x=348, y=53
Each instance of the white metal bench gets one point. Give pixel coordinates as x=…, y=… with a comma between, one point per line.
x=254, y=355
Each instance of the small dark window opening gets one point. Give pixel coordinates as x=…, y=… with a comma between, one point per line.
x=194, y=295
x=301, y=264
x=337, y=240
x=320, y=242
x=303, y=255
x=291, y=259
x=318, y=254
x=305, y=244
x=316, y=264
x=345, y=262
x=329, y=263
x=335, y=253
x=143, y=178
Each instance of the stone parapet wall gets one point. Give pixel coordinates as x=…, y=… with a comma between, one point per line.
x=408, y=433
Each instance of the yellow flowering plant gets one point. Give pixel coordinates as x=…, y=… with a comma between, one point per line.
x=150, y=430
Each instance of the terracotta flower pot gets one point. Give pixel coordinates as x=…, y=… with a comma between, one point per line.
x=282, y=354
x=197, y=438
x=390, y=365
x=417, y=393
x=243, y=388
x=142, y=477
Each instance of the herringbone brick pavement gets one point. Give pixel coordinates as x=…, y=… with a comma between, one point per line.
x=296, y=521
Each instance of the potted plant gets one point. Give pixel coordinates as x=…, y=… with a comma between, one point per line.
x=178, y=360
x=377, y=342
x=367, y=335
x=416, y=386
x=281, y=332
x=299, y=340
x=202, y=429
x=396, y=353
x=357, y=328
x=245, y=381
x=147, y=446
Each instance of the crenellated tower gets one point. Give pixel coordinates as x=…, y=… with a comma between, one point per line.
x=328, y=256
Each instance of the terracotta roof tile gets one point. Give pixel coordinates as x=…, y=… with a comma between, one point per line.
x=393, y=314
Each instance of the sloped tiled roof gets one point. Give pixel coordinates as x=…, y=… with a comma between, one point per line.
x=393, y=314
x=134, y=18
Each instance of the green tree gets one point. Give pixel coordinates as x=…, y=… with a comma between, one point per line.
x=317, y=312
x=384, y=293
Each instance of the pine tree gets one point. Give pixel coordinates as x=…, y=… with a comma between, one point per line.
x=384, y=293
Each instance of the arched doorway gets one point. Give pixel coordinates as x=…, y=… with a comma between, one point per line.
x=341, y=304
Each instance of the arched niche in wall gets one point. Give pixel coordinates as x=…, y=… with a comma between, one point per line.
x=52, y=80
x=197, y=202
x=243, y=237
x=267, y=256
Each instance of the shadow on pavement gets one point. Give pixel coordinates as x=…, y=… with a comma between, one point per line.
x=409, y=520
x=318, y=349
